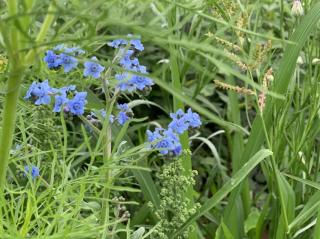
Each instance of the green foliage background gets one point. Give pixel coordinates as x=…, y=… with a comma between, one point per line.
x=257, y=170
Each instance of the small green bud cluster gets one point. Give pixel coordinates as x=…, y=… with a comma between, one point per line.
x=174, y=207
x=120, y=211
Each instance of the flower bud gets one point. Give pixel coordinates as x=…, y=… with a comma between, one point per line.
x=297, y=9
x=300, y=60
x=316, y=61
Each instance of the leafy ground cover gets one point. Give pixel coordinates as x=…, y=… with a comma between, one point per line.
x=159, y=119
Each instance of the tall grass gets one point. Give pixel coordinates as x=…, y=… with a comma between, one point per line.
x=257, y=166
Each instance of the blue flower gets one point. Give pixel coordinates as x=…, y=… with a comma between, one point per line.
x=122, y=76
x=140, y=82
x=183, y=121
x=123, y=115
x=193, y=119
x=153, y=136
x=117, y=43
x=40, y=91
x=125, y=84
x=67, y=89
x=164, y=145
x=68, y=62
x=61, y=97
x=136, y=43
x=52, y=60
x=74, y=51
x=35, y=172
x=140, y=68
x=126, y=60
x=123, y=107
x=76, y=105
x=131, y=82
x=175, y=146
x=166, y=141
x=128, y=81
x=178, y=123
x=92, y=68
x=122, y=118
x=177, y=149
x=60, y=100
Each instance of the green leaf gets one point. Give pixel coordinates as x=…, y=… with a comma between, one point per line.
x=287, y=198
x=223, y=232
x=304, y=181
x=93, y=101
x=138, y=233
x=316, y=233
x=308, y=211
x=147, y=185
x=252, y=220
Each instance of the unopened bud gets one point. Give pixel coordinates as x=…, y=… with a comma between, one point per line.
x=300, y=60
x=297, y=9
x=316, y=61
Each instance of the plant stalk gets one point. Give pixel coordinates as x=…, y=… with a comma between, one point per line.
x=11, y=97
x=178, y=104
x=9, y=118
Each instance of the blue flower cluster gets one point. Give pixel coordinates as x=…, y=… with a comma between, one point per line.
x=128, y=81
x=183, y=121
x=35, y=171
x=65, y=59
x=62, y=56
x=41, y=94
x=167, y=140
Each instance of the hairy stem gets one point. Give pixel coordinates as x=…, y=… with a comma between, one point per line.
x=108, y=179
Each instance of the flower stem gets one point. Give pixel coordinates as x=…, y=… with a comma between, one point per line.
x=107, y=154
x=11, y=97
x=178, y=104
x=9, y=119
x=108, y=180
